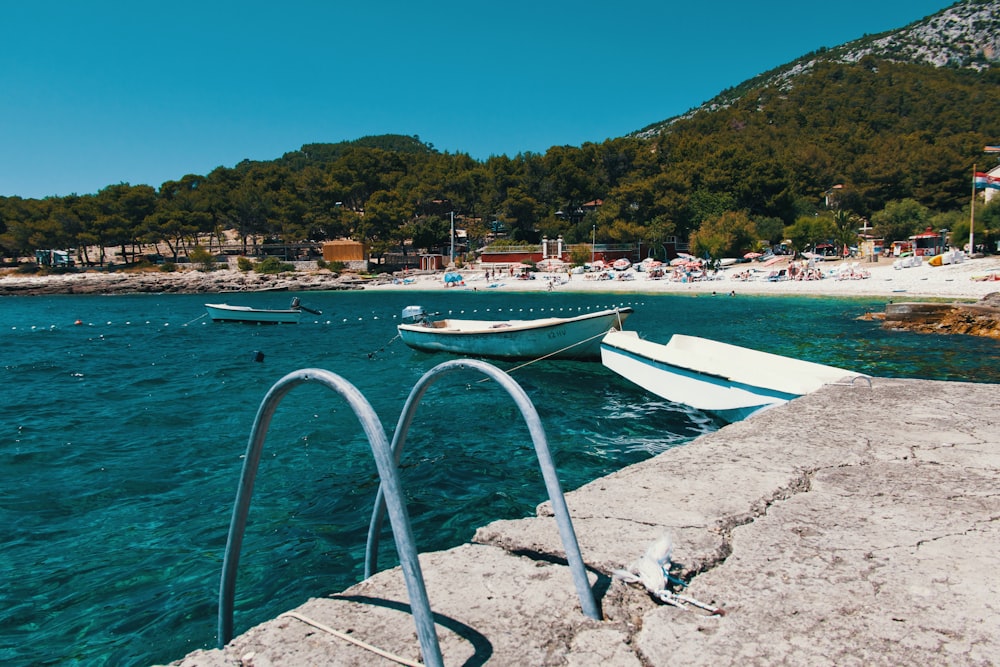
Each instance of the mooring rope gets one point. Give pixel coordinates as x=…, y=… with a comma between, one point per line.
x=371, y=355
x=568, y=347
x=544, y=357
x=195, y=319
x=347, y=638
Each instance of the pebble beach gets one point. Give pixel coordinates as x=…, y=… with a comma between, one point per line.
x=966, y=281
x=955, y=281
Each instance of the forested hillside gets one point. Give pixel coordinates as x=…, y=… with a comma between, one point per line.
x=898, y=139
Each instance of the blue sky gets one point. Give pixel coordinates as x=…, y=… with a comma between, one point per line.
x=98, y=93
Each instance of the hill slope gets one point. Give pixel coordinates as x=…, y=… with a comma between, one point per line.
x=963, y=36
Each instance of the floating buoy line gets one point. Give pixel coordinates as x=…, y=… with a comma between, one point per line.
x=486, y=313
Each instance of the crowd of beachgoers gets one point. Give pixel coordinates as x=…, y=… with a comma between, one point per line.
x=967, y=280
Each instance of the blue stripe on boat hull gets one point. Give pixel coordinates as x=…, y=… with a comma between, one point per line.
x=756, y=398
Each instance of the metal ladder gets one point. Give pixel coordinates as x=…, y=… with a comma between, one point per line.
x=534, y=424
x=390, y=497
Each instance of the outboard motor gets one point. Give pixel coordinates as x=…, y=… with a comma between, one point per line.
x=296, y=305
x=414, y=315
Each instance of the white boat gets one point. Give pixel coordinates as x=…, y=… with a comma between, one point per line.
x=222, y=312
x=548, y=337
x=724, y=380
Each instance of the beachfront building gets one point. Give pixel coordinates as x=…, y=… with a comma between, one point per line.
x=557, y=249
x=928, y=243
x=352, y=254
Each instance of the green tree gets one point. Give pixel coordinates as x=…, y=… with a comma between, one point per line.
x=707, y=205
x=810, y=230
x=728, y=235
x=121, y=215
x=25, y=226
x=847, y=228
x=900, y=219
x=249, y=210
x=622, y=231
x=522, y=212
x=382, y=224
x=182, y=214
x=429, y=231
x=770, y=229
x=988, y=226
x=203, y=257
x=986, y=231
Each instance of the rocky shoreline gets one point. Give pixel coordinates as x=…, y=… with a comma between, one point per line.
x=972, y=319
x=180, y=282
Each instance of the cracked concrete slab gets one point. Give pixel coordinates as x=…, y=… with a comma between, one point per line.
x=850, y=526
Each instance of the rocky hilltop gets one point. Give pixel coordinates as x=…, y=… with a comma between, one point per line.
x=966, y=35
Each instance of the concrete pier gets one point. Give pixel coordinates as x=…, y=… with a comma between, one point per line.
x=853, y=526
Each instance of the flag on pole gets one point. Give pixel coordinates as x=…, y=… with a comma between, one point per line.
x=983, y=180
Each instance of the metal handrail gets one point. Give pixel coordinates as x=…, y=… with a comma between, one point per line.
x=534, y=423
x=392, y=499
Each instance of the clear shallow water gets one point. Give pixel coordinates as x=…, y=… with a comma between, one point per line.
x=121, y=441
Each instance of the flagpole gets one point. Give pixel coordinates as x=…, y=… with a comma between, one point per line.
x=972, y=213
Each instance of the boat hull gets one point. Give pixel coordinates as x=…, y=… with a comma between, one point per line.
x=221, y=312
x=727, y=381
x=550, y=338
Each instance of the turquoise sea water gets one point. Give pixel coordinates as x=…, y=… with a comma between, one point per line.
x=122, y=443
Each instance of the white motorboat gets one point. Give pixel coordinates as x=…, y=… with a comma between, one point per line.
x=728, y=381
x=222, y=312
x=548, y=337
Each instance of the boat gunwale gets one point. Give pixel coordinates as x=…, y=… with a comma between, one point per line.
x=539, y=324
x=225, y=307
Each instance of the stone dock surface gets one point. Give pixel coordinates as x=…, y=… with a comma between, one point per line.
x=853, y=526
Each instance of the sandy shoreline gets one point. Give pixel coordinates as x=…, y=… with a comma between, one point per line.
x=953, y=282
